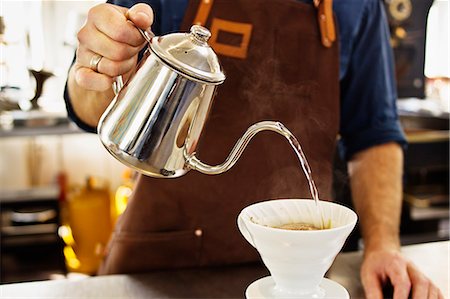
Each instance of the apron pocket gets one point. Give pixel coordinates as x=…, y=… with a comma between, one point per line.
x=140, y=252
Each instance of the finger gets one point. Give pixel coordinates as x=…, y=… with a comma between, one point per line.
x=141, y=15
x=98, y=42
x=113, y=68
x=372, y=286
x=111, y=21
x=90, y=80
x=440, y=294
x=398, y=275
x=420, y=283
x=106, y=66
x=433, y=292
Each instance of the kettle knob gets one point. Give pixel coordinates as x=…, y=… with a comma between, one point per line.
x=200, y=33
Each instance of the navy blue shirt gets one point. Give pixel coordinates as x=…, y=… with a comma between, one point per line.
x=368, y=92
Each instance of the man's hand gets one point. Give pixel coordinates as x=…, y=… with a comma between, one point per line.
x=376, y=181
x=381, y=267
x=109, y=34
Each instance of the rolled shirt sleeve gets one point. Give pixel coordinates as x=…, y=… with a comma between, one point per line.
x=368, y=88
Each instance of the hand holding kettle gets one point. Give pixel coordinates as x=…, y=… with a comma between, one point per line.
x=155, y=120
x=108, y=47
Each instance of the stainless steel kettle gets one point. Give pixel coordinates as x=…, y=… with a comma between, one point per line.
x=155, y=120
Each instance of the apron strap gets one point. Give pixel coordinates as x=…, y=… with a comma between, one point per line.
x=326, y=23
x=203, y=12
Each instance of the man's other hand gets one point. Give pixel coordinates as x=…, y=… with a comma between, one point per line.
x=381, y=267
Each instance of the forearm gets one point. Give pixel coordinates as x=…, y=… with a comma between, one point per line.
x=88, y=105
x=376, y=183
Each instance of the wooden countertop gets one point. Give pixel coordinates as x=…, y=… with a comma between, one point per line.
x=220, y=282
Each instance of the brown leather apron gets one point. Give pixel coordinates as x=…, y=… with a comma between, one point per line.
x=277, y=69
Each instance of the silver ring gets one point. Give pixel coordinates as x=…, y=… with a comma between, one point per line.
x=95, y=60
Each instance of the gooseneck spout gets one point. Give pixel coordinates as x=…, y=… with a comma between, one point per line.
x=194, y=163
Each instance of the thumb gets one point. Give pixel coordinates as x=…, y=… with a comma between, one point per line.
x=141, y=15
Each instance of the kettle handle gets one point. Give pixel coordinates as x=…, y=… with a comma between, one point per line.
x=147, y=35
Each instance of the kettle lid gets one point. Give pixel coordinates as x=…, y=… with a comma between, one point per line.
x=190, y=54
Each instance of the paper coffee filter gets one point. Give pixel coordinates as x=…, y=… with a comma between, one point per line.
x=275, y=213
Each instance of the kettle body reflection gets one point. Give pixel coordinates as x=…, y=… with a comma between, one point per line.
x=155, y=120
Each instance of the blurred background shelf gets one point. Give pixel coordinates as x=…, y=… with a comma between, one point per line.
x=35, y=123
x=61, y=129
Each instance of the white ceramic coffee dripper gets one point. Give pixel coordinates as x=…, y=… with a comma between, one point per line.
x=297, y=260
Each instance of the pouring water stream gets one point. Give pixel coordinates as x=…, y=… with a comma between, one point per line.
x=242, y=143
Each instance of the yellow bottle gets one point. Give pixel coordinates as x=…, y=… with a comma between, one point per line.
x=90, y=224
